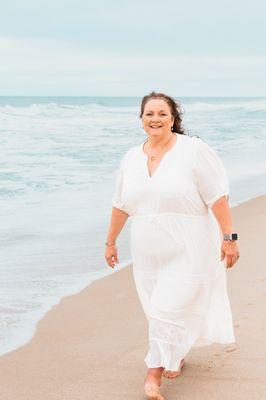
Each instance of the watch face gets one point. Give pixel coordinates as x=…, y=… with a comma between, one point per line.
x=234, y=236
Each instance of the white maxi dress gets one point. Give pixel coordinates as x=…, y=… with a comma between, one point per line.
x=176, y=246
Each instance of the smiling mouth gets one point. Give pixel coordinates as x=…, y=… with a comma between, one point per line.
x=156, y=127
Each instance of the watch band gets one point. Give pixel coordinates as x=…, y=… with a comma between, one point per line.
x=230, y=236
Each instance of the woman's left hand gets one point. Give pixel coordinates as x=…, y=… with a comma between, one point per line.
x=229, y=251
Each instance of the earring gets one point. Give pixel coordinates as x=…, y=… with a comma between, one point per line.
x=172, y=128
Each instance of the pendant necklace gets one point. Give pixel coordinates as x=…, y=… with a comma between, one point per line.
x=153, y=157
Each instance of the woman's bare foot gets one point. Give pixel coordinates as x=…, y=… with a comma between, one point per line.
x=174, y=374
x=152, y=384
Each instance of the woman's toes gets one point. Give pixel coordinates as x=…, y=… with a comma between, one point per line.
x=173, y=374
x=165, y=373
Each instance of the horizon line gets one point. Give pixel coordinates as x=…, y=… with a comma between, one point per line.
x=140, y=96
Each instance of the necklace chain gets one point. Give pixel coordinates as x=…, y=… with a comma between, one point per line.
x=153, y=157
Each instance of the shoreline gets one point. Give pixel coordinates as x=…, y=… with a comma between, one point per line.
x=103, y=328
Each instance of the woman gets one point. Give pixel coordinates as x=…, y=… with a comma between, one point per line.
x=175, y=190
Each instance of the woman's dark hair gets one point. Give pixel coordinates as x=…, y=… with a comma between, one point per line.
x=174, y=106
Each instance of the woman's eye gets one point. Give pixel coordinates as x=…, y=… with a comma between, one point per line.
x=160, y=114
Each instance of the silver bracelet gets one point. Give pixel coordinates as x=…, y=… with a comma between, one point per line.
x=108, y=244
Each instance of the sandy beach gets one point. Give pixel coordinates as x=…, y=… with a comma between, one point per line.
x=92, y=344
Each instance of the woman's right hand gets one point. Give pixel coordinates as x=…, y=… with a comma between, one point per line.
x=111, y=255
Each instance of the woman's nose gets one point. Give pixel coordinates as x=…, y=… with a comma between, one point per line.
x=155, y=118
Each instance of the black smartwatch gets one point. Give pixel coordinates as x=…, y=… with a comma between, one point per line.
x=231, y=237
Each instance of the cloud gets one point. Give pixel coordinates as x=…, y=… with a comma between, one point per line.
x=25, y=56
x=33, y=56
x=61, y=66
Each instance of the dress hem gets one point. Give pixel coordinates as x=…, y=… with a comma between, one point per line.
x=201, y=344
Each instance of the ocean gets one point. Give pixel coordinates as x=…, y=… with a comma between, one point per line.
x=59, y=159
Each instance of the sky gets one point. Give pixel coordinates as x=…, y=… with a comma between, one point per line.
x=128, y=48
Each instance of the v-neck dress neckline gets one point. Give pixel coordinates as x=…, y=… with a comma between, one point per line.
x=167, y=153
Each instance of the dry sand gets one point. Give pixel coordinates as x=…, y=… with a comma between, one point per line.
x=92, y=345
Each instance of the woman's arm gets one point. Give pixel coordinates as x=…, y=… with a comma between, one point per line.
x=117, y=222
x=222, y=213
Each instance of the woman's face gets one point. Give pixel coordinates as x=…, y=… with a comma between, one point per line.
x=157, y=119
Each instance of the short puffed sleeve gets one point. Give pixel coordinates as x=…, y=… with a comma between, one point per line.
x=210, y=174
x=117, y=196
